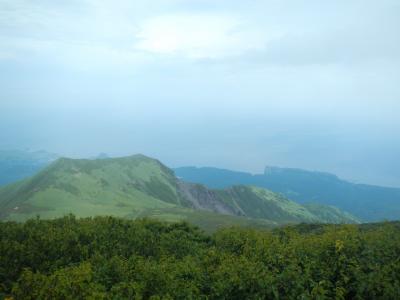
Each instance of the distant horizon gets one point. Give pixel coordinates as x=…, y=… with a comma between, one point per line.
x=260, y=172
x=233, y=84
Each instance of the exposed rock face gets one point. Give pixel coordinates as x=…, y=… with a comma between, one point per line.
x=202, y=198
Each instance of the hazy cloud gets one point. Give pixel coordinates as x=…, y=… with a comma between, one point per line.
x=295, y=83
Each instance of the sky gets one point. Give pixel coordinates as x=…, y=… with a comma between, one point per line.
x=232, y=84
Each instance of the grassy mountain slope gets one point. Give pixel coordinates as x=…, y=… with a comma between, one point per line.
x=207, y=220
x=92, y=187
x=367, y=202
x=260, y=203
x=330, y=214
x=138, y=186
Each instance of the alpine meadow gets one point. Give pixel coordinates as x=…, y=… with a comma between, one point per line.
x=172, y=149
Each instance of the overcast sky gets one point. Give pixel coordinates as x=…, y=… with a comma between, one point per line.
x=234, y=84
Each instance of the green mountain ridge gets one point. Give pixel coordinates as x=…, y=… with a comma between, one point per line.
x=139, y=186
x=367, y=202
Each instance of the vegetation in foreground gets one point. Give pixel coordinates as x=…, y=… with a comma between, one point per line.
x=112, y=258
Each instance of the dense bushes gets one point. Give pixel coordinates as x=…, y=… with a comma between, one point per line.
x=110, y=258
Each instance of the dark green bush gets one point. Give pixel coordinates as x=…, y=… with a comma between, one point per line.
x=111, y=258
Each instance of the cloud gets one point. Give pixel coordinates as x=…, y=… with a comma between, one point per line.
x=197, y=35
x=70, y=34
x=138, y=67
x=263, y=32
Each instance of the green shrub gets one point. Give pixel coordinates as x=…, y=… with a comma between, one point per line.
x=111, y=258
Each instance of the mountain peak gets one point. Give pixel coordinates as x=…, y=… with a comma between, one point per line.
x=135, y=185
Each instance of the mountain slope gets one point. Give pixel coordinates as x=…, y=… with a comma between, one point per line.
x=330, y=214
x=86, y=187
x=138, y=186
x=367, y=202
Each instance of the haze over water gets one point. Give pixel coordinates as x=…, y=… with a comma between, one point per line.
x=233, y=84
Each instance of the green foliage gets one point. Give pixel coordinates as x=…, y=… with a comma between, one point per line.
x=111, y=258
x=66, y=283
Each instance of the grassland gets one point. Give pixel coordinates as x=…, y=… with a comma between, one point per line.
x=138, y=186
